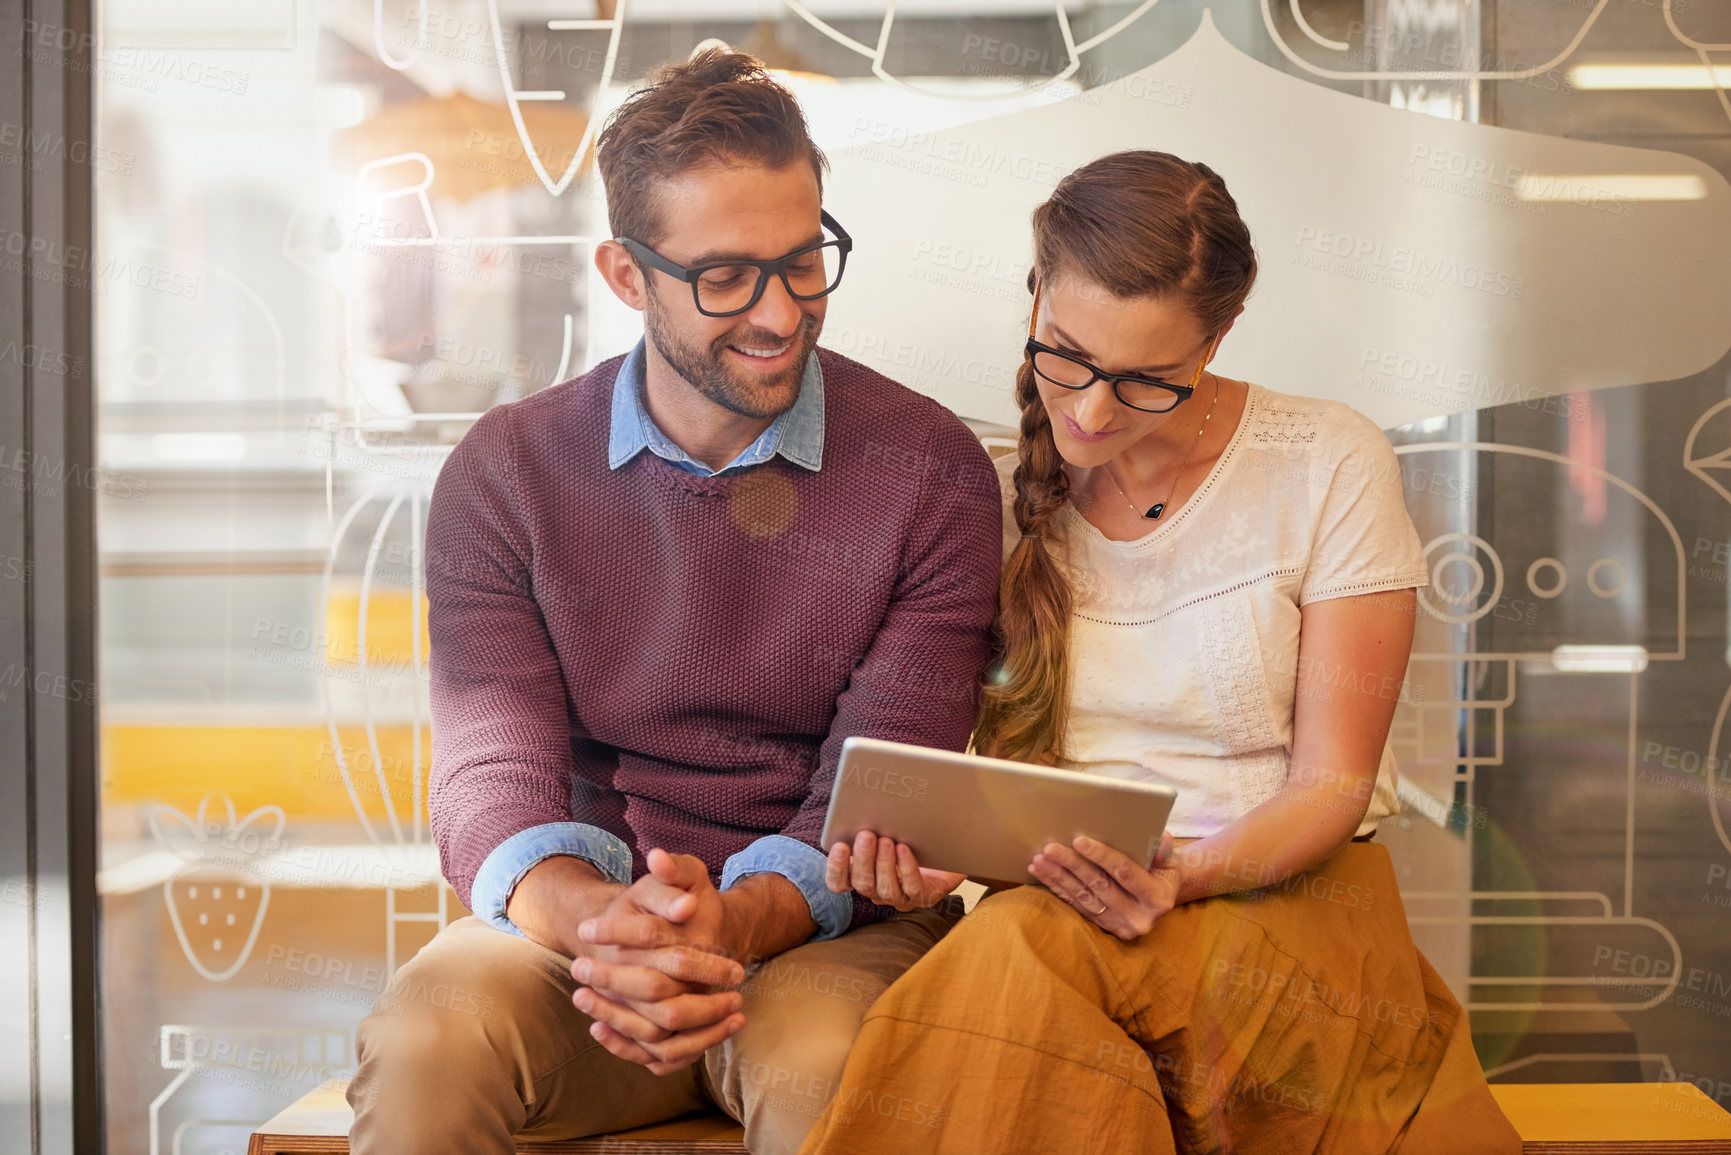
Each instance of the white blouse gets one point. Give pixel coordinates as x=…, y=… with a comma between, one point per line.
x=1184, y=642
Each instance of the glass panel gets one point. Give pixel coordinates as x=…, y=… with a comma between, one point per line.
x=1562, y=725
x=331, y=235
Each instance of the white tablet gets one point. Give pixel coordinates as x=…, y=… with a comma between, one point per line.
x=986, y=817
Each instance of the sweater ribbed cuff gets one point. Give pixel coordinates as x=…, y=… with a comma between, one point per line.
x=801, y=865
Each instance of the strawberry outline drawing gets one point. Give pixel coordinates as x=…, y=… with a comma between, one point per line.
x=215, y=853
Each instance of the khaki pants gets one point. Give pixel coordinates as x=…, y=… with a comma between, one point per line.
x=1300, y=1018
x=476, y=1040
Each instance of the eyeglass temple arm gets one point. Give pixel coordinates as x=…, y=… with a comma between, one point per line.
x=1213, y=347
x=656, y=261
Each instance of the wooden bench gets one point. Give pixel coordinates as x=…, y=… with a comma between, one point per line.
x=1552, y=1119
x=319, y=1121
x=1614, y=1118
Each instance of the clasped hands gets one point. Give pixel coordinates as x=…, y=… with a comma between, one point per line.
x=1105, y=886
x=655, y=976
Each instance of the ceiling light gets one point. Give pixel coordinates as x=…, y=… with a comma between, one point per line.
x=1599, y=659
x=198, y=446
x=1607, y=76
x=1586, y=188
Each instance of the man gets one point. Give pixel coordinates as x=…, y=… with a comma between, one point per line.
x=662, y=594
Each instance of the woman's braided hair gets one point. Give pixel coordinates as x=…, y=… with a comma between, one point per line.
x=1134, y=224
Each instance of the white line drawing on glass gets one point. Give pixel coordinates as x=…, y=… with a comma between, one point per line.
x=1072, y=49
x=1315, y=36
x=1431, y=74
x=1702, y=466
x=1075, y=49
x=217, y=902
x=1690, y=41
x=1660, y=1057
x=417, y=190
x=1716, y=772
x=1705, y=467
x=394, y=495
x=564, y=353
x=514, y=96
x=1683, y=38
x=420, y=9
x=1453, y=602
x=146, y=365
x=325, y=1050
x=1701, y=51
x=433, y=238
x=279, y=347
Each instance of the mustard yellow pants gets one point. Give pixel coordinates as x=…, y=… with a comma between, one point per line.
x=1298, y=1018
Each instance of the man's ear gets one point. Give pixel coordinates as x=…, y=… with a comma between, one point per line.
x=621, y=274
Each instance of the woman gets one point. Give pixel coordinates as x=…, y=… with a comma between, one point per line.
x=1208, y=584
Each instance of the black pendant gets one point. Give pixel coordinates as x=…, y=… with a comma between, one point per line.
x=1155, y=511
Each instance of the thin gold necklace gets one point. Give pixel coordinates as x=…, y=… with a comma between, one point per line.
x=1159, y=507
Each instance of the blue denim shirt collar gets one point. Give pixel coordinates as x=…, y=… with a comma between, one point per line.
x=797, y=434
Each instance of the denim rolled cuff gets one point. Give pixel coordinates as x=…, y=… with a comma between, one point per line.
x=802, y=865
x=505, y=867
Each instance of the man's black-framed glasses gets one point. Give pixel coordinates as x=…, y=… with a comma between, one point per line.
x=728, y=288
x=1069, y=371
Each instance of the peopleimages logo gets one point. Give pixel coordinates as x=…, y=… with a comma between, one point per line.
x=23, y=469
x=1369, y=259
x=891, y=782
x=958, y=158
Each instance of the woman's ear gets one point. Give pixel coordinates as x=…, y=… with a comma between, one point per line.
x=1221, y=338
x=621, y=274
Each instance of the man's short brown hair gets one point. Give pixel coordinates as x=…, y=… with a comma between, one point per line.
x=717, y=106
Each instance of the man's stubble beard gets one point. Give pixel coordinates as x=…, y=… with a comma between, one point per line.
x=708, y=372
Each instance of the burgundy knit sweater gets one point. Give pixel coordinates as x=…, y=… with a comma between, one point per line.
x=676, y=659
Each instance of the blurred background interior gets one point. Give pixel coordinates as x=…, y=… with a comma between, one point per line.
x=349, y=227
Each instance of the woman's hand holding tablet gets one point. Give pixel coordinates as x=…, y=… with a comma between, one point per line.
x=1119, y=896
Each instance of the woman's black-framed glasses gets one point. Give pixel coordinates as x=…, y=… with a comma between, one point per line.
x=1138, y=392
x=729, y=288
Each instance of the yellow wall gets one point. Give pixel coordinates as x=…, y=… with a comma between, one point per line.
x=294, y=767
x=389, y=640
